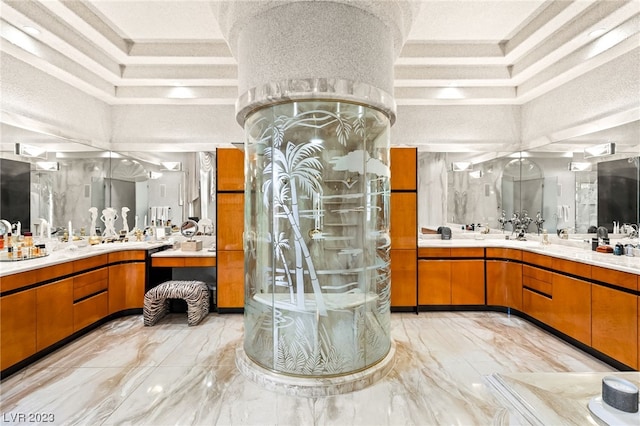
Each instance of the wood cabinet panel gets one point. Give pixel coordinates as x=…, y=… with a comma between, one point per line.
x=90, y=262
x=434, y=282
x=90, y=310
x=230, y=221
x=404, y=162
x=54, y=271
x=126, y=286
x=17, y=327
x=230, y=281
x=467, y=282
x=54, y=312
x=570, y=267
x=504, y=283
x=572, y=307
x=167, y=262
x=128, y=255
x=13, y=281
x=201, y=262
x=538, y=306
x=537, y=273
x=434, y=252
x=230, y=169
x=90, y=283
x=619, y=278
x=541, y=286
x=504, y=253
x=404, y=278
x=537, y=259
x=404, y=225
x=614, y=324
x=467, y=252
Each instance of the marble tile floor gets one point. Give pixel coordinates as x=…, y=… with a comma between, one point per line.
x=126, y=374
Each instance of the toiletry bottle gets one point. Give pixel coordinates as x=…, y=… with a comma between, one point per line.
x=10, y=253
x=28, y=239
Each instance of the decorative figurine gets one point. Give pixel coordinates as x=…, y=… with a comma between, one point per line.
x=125, y=223
x=94, y=217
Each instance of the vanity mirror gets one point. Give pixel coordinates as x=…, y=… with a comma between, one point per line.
x=555, y=180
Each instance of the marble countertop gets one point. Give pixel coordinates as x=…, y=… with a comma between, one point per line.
x=575, y=250
x=67, y=252
x=555, y=398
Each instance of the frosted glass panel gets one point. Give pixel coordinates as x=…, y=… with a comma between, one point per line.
x=317, y=238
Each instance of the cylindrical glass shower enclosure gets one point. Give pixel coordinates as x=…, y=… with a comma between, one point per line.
x=317, y=269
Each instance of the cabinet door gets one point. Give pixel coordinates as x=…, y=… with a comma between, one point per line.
x=230, y=221
x=572, y=307
x=54, y=312
x=404, y=227
x=504, y=283
x=90, y=310
x=434, y=282
x=537, y=305
x=614, y=325
x=126, y=286
x=467, y=282
x=403, y=168
x=17, y=327
x=403, y=278
x=230, y=281
x=230, y=169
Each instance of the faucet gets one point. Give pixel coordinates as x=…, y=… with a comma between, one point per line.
x=503, y=219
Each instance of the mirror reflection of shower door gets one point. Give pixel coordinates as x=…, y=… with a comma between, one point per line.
x=530, y=194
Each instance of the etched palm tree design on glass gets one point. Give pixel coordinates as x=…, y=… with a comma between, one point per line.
x=317, y=289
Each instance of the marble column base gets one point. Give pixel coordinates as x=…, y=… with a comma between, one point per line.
x=314, y=387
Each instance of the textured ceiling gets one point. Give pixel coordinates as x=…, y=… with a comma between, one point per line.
x=171, y=52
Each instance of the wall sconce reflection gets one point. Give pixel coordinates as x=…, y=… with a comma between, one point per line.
x=33, y=151
x=576, y=166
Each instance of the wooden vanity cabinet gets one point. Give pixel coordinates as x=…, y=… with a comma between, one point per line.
x=17, y=327
x=404, y=227
x=127, y=277
x=615, y=323
x=54, y=312
x=230, y=228
x=451, y=276
x=571, y=303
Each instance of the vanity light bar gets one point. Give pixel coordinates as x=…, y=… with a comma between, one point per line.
x=50, y=166
x=174, y=166
x=26, y=150
x=600, y=150
x=460, y=166
x=576, y=166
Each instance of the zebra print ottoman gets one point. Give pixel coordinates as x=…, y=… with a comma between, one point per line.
x=195, y=293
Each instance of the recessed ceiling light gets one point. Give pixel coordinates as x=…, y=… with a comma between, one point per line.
x=31, y=30
x=597, y=32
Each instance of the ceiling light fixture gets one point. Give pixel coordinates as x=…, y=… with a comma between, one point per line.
x=154, y=175
x=476, y=174
x=577, y=166
x=26, y=150
x=600, y=150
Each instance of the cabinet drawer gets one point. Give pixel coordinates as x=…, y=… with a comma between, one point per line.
x=199, y=262
x=504, y=253
x=537, y=305
x=538, y=285
x=54, y=271
x=90, y=283
x=90, y=310
x=537, y=273
x=610, y=276
x=573, y=268
x=23, y=279
x=122, y=256
x=537, y=259
x=437, y=252
x=90, y=263
x=467, y=252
